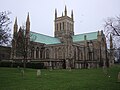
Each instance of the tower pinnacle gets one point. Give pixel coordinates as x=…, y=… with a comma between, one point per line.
x=28, y=20
x=28, y=24
x=72, y=14
x=15, y=26
x=15, y=21
x=55, y=13
x=65, y=10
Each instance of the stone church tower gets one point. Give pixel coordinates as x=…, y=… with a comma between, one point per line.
x=64, y=30
x=64, y=25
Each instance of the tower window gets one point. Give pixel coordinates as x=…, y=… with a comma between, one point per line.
x=71, y=27
x=67, y=25
x=60, y=26
x=63, y=25
x=57, y=26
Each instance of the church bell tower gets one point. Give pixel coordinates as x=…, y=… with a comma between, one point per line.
x=64, y=25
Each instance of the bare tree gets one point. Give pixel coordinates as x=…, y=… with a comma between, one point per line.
x=112, y=26
x=5, y=35
x=23, y=45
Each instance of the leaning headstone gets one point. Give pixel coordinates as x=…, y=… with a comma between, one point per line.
x=119, y=77
x=38, y=73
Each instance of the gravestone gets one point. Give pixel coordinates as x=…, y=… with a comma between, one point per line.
x=69, y=68
x=119, y=77
x=76, y=65
x=105, y=71
x=80, y=66
x=88, y=65
x=50, y=66
x=51, y=69
x=22, y=73
x=67, y=64
x=97, y=65
x=18, y=67
x=38, y=73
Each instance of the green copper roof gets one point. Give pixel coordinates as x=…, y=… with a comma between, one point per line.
x=40, y=38
x=80, y=37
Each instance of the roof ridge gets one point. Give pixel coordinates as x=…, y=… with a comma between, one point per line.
x=85, y=33
x=42, y=34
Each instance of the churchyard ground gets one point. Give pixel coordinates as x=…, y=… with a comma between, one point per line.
x=76, y=79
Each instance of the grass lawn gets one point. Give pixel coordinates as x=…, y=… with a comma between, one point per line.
x=77, y=79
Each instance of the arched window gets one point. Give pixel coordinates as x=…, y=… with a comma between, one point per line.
x=32, y=52
x=71, y=27
x=56, y=53
x=41, y=52
x=37, y=52
x=90, y=56
x=78, y=53
x=47, y=53
x=75, y=53
x=81, y=56
x=67, y=25
x=60, y=26
x=57, y=26
x=63, y=25
x=59, y=53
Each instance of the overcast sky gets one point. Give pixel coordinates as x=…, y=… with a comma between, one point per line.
x=89, y=15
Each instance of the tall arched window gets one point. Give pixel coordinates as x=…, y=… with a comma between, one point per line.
x=56, y=53
x=57, y=26
x=59, y=53
x=47, y=53
x=81, y=56
x=63, y=25
x=70, y=27
x=78, y=53
x=75, y=53
x=42, y=53
x=60, y=26
x=67, y=26
x=32, y=52
x=37, y=52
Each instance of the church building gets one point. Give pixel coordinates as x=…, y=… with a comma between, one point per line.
x=65, y=49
